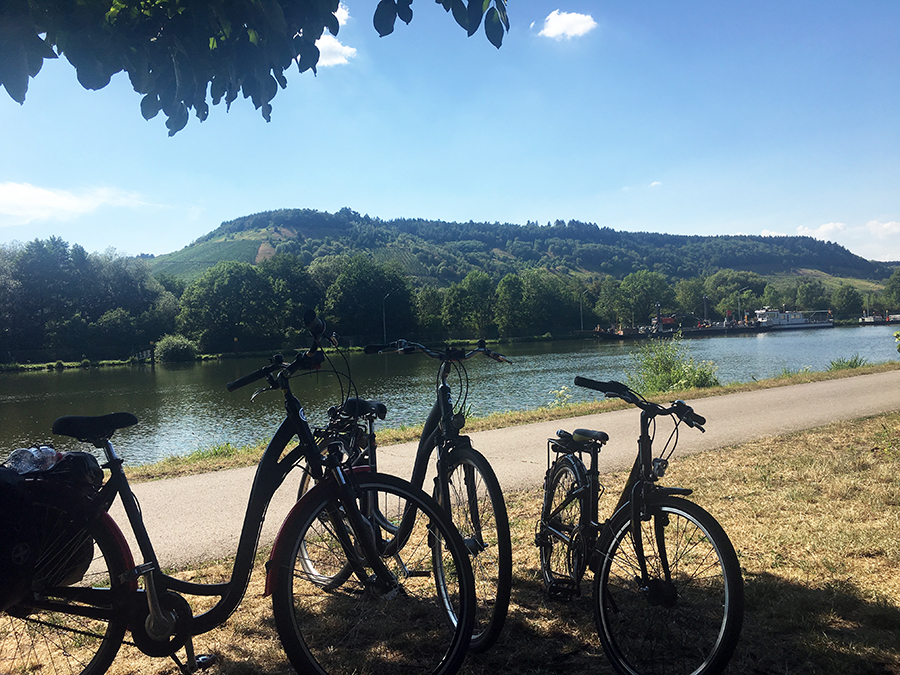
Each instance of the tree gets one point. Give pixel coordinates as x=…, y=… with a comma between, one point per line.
x=812, y=295
x=293, y=290
x=689, y=294
x=892, y=290
x=230, y=301
x=179, y=54
x=362, y=291
x=509, y=308
x=846, y=301
x=641, y=291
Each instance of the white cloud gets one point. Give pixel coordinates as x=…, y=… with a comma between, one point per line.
x=331, y=51
x=772, y=233
x=827, y=231
x=655, y=183
x=874, y=240
x=567, y=25
x=889, y=230
x=23, y=203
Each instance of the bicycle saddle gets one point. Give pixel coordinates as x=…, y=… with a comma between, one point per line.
x=582, y=435
x=89, y=429
x=360, y=407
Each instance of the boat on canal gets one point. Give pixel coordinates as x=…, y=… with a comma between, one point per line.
x=773, y=319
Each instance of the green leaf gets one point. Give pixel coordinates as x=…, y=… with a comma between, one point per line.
x=501, y=9
x=332, y=24
x=178, y=119
x=493, y=28
x=150, y=106
x=385, y=16
x=461, y=13
x=404, y=11
x=474, y=14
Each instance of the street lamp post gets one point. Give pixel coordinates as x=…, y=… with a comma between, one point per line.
x=581, y=308
x=741, y=293
x=384, y=319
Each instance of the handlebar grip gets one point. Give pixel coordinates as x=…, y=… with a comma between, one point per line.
x=611, y=388
x=248, y=379
x=697, y=419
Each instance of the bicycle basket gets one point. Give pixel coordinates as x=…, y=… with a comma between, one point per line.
x=80, y=470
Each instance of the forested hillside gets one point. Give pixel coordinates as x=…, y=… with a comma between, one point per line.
x=246, y=286
x=442, y=253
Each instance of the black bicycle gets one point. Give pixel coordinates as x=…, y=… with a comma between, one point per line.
x=668, y=592
x=465, y=484
x=390, y=612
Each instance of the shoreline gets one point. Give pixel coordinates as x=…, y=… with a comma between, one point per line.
x=228, y=456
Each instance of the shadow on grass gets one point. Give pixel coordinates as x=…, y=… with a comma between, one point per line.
x=788, y=628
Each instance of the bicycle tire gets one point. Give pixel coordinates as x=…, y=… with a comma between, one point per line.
x=689, y=624
x=49, y=630
x=352, y=628
x=559, y=538
x=478, y=511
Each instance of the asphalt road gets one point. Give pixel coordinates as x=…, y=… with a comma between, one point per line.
x=197, y=518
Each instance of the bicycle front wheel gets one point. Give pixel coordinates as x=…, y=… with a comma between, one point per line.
x=686, y=617
x=478, y=511
x=74, y=618
x=360, y=626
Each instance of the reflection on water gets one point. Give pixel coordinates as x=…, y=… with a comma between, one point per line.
x=183, y=408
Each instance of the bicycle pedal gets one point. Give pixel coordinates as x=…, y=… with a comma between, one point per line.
x=204, y=661
x=563, y=589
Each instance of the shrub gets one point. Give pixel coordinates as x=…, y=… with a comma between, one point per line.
x=663, y=364
x=855, y=361
x=173, y=348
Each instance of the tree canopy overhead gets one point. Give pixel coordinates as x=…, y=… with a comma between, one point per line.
x=180, y=54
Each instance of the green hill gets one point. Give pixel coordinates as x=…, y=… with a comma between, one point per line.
x=442, y=252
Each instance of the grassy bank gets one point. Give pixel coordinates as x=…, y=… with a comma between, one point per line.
x=229, y=456
x=813, y=517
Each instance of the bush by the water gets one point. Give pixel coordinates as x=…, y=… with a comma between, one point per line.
x=663, y=364
x=173, y=348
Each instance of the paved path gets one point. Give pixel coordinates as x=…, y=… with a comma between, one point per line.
x=197, y=518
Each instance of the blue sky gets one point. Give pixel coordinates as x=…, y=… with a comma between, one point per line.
x=766, y=117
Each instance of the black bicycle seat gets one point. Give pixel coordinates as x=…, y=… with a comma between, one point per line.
x=360, y=407
x=582, y=435
x=89, y=429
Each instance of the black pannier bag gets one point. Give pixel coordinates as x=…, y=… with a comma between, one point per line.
x=66, y=549
x=17, y=538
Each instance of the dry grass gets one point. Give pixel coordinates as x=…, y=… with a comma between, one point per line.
x=814, y=518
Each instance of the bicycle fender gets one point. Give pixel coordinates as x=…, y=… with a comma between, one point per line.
x=293, y=514
x=121, y=544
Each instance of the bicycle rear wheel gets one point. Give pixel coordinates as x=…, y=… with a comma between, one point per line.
x=478, y=510
x=74, y=618
x=357, y=626
x=559, y=536
x=686, y=621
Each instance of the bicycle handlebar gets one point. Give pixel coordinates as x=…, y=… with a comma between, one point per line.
x=309, y=359
x=613, y=389
x=446, y=354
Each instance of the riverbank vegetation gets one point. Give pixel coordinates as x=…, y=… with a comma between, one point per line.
x=59, y=303
x=812, y=516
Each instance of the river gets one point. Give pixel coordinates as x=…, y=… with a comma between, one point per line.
x=183, y=408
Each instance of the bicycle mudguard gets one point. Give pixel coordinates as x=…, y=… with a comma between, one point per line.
x=122, y=545
x=292, y=515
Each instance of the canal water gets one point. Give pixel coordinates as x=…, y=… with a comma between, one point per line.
x=183, y=408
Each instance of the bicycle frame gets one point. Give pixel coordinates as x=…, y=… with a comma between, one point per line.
x=273, y=468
